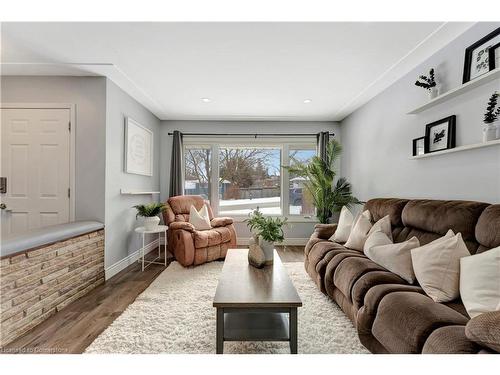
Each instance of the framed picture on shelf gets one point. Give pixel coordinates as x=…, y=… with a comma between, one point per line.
x=440, y=135
x=138, y=148
x=477, y=56
x=494, y=56
x=419, y=146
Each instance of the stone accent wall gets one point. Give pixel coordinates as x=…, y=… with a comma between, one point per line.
x=39, y=282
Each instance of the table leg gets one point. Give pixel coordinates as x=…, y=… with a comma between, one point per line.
x=165, y=247
x=142, y=252
x=159, y=245
x=220, y=331
x=293, y=330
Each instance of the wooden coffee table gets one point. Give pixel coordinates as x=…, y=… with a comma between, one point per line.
x=255, y=304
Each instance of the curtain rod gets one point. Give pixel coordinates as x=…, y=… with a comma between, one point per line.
x=252, y=134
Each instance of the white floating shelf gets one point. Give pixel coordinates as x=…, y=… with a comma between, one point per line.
x=132, y=192
x=485, y=78
x=457, y=149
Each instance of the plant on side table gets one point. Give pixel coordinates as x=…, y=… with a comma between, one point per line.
x=491, y=129
x=265, y=232
x=150, y=214
x=319, y=176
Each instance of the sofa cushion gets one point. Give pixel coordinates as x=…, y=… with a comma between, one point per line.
x=199, y=218
x=359, y=232
x=437, y=216
x=211, y=237
x=383, y=225
x=337, y=258
x=449, y=340
x=405, y=320
x=368, y=281
x=350, y=270
x=487, y=233
x=485, y=330
x=381, y=207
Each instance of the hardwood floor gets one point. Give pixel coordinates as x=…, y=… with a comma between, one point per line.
x=73, y=329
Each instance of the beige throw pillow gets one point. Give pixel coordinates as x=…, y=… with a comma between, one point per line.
x=199, y=219
x=383, y=225
x=394, y=257
x=437, y=266
x=480, y=282
x=344, y=226
x=376, y=238
x=359, y=232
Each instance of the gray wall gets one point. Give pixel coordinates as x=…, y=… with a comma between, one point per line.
x=377, y=137
x=297, y=230
x=88, y=94
x=121, y=240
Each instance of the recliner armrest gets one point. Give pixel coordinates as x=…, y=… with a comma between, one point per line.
x=484, y=329
x=181, y=225
x=325, y=231
x=221, y=221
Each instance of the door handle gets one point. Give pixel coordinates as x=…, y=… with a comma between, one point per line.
x=3, y=206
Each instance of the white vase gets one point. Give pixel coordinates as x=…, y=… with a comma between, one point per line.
x=268, y=248
x=489, y=132
x=433, y=92
x=151, y=223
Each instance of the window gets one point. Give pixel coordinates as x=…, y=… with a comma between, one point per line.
x=197, y=171
x=299, y=198
x=249, y=178
x=241, y=174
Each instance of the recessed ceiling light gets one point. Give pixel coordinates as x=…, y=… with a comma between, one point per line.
x=307, y=101
x=205, y=100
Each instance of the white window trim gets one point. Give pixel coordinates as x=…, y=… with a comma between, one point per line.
x=283, y=144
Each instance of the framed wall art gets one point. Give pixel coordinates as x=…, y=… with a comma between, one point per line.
x=477, y=56
x=440, y=135
x=138, y=148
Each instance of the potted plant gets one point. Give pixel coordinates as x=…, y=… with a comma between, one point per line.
x=319, y=175
x=150, y=214
x=428, y=83
x=490, y=130
x=267, y=231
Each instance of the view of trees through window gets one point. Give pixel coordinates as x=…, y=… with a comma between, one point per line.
x=248, y=177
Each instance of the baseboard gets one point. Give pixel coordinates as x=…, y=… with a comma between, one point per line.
x=287, y=242
x=127, y=261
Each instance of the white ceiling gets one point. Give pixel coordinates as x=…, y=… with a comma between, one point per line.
x=248, y=70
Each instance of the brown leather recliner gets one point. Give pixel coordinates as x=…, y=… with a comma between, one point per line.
x=191, y=246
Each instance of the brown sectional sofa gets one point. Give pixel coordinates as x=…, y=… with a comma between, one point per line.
x=390, y=315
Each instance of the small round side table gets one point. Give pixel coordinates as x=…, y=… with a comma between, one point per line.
x=159, y=229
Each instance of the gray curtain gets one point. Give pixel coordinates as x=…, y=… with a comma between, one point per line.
x=322, y=140
x=176, y=166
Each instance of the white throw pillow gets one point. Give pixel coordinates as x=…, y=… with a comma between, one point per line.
x=376, y=238
x=344, y=226
x=383, y=225
x=394, y=257
x=199, y=219
x=437, y=266
x=480, y=282
x=359, y=232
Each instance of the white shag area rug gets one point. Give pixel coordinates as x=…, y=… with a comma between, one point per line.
x=175, y=315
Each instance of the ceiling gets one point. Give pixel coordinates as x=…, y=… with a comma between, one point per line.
x=254, y=71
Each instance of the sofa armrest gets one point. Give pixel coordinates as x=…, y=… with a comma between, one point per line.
x=221, y=221
x=324, y=231
x=181, y=225
x=484, y=329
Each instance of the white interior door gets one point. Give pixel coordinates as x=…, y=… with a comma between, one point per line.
x=36, y=162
